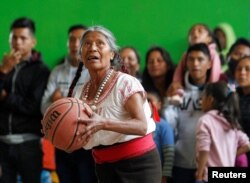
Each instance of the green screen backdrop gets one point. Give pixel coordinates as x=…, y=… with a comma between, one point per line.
x=140, y=23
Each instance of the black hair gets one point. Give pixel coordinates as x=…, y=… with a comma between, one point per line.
x=80, y=65
x=204, y=49
x=134, y=50
x=147, y=81
x=24, y=22
x=225, y=101
x=155, y=93
x=210, y=33
x=75, y=27
x=199, y=47
x=218, y=45
x=239, y=41
x=244, y=58
x=76, y=78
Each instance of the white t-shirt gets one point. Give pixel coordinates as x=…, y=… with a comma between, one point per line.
x=111, y=105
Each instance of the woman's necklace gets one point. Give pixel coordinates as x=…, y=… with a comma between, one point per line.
x=99, y=91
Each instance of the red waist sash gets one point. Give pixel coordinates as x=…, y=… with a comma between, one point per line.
x=125, y=150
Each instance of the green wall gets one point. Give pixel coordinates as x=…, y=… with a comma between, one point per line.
x=140, y=23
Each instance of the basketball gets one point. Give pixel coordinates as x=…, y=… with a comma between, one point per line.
x=60, y=123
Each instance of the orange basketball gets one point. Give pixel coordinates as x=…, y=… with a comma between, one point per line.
x=60, y=123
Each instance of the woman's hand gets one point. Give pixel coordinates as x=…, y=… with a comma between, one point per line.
x=89, y=126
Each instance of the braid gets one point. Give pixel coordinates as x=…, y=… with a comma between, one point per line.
x=77, y=76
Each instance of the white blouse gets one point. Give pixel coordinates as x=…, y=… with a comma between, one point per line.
x=111, y=105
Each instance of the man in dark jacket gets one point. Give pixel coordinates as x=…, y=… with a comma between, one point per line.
x=23, y=78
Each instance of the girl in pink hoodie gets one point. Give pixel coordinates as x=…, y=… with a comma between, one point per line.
x=219, y=137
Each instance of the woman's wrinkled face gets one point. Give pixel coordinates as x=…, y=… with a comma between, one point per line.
x=130, y=60
x=199, y=34
x=96, y=52
x=156, y=65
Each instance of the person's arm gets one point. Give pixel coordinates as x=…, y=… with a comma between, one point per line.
x=137, y=125
x=10, y=61
x=243, y=143
x=177, y=77
x=203, y=144
x=51, y=93
x=180, y=70
x=216, y=65
x=243, y=149
x=29, y=103
x=2, y=79
x=168, y=161
x=3, y=93
x=201, y=164
x=167, y=148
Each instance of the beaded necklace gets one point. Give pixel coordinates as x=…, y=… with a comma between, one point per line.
x=99, y=91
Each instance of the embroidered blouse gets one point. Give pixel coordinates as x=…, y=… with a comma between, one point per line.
x=111, y=105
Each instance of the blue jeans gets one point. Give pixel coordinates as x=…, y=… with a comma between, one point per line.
x=24, y=159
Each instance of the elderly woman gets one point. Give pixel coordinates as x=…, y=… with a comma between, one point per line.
x=119, y=130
